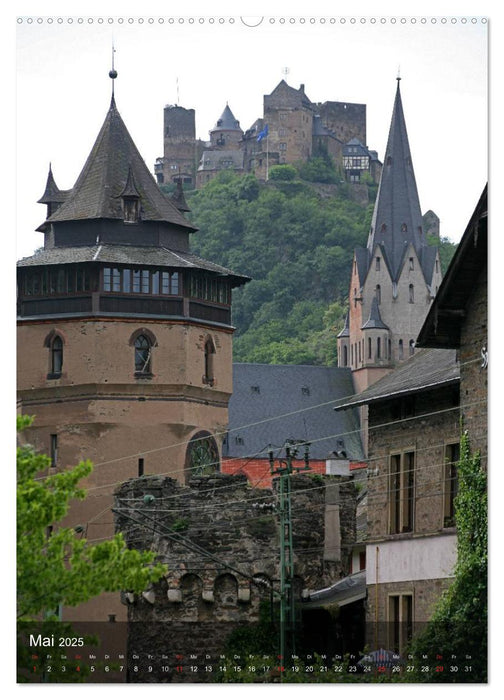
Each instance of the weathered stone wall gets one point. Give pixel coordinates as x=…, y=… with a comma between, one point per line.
x=473, y=371
x=425, y=594
x=347, y=120
x=433, y=424
x=238, y=526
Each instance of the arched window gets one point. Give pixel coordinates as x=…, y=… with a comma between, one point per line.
x=378, y=293
x=411, y=347
x=401, y=349
x=143, y=359
x=370, y=349
x=56, y=355
x=202, y=455
x=208, y=377
x=54, y=341
x=345, y=356
x=378, y=348
x=411, y=294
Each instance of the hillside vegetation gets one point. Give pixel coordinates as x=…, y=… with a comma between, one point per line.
x=295, y=239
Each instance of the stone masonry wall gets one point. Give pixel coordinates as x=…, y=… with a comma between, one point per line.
x=473, y=370
x=203, y=598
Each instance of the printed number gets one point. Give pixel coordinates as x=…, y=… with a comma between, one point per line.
x=49, y=669
x=396, y=669
x=308, y=669
x=454, y=669
x=425, y=669
x=338, y=669
x=251, y=669
x=209, y=669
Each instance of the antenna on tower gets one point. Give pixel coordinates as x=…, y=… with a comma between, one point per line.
x=113, y=72
x=285, y=71
x=178, y=94
x=398, y=73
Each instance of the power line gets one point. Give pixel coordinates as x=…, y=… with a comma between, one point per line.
x=244, y=427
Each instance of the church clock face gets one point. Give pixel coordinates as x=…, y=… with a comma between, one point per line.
x=203, y=455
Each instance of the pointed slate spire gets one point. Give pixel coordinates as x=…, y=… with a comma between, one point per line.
x=397, y=218
x=178, y=197
x=345, y=333
x=375, y=319
x=227, y=121
x=113, y=161
x=52, y=193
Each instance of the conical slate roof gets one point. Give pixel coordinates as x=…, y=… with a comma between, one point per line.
x=397, y=218
x=178, y=197
x=375, y=319
x=112, y=169
x=227, y=121
x=52, y=193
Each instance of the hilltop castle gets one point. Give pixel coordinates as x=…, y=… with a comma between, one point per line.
x=292, y=129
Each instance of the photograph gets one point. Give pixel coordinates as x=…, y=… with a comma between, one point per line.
x=252, y=348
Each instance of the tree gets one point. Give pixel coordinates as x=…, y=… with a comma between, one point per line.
x=457, y=630
x=54, y=565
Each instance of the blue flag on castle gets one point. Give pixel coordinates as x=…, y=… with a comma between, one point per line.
x=262, y=133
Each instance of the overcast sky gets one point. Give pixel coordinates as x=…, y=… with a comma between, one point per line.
x=203, y=61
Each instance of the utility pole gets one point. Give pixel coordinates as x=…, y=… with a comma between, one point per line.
x=284, y=471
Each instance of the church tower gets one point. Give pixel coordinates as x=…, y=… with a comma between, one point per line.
x=124, y=335
x=393, y=279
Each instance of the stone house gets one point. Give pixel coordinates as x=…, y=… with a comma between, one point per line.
x=415, y=417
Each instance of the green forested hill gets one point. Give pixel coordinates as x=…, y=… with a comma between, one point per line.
x=295, y=240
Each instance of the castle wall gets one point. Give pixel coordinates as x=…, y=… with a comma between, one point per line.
x=347, y=120
x=200, y=601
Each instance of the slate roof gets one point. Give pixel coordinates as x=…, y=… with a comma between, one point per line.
x=52, y=192
x=127, y=255
x=213, y=159
x=375, y=319
x=397, y=204
x=348, y=590
x=281, y=402
x=426, y=369
x=105, y=175
x=227, y=121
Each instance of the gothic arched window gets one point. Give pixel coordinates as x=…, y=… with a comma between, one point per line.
x=411, y=294
x=411, y=347
x=56, y=355
x=378, y=294
x=54, y=342
x=202, y=455
x=208, y=377
x=401, y=350
x=142, y=355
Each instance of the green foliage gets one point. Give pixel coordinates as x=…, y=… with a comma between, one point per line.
x=282, y=172
x=446, y=250
x=56, y=567
x=459, y=623
x=297, y=246
x=319, y=169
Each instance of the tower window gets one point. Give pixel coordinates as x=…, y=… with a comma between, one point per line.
x=208, y=377
x=412, y=263
x=378, y=348
x=404, y=228
x=143, y=355
x=54, y=450
x=56, y=350
x=370, y=349
x=378, y=294
x=345, y=356
x=411, y=347
x=378, y=260
x=411, y=294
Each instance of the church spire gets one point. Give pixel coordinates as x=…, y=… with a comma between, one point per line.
x=397, y=218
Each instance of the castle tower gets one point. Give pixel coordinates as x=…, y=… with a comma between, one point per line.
x=393, y=279
x=226, y=133
x=179, y=146
x=124, y=336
